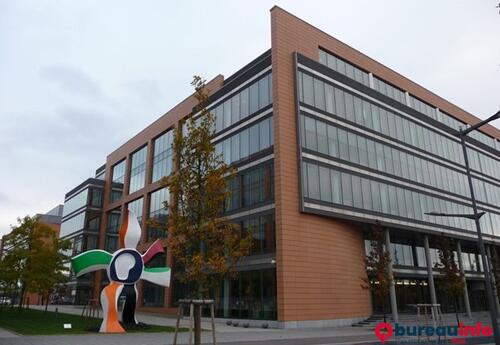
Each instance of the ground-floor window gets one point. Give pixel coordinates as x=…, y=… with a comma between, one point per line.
x=247, y=295
x=152, y=295
x=410, y=292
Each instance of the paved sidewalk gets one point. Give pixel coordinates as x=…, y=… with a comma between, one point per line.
x=6, y=334
x=278, y=337
x=152, y=318
x=225, y=334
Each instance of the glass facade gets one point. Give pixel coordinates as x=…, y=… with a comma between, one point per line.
x=158, y=213
x=250, y=295
x=118, y=179
x=136, y=207
x=262, y=228
x=76, y=202
x=389, y=90
x=344, y=67
x=353, y=72
x=251, y=188
x=247, y=142
x=243, y=104
x=163, y=153
x=138, y=170
x=73, y=224
x=413, y=160
x=113, y=226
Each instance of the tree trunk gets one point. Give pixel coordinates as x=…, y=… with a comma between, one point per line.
x=383, y=309
x=21, y=298
x=46, y=302
x=456, y=311
x=197, y=324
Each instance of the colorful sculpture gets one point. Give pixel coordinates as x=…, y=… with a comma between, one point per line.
x=124, y=268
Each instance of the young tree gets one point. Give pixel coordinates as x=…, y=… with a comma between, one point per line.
x=495, y=268
x=451, y=279
x=203, y=243
x=34, y=256
x=378, y=278
x=49, y=267
x=9, y=278
x=205, y=246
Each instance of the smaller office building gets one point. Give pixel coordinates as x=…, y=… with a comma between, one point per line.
x=81, y=220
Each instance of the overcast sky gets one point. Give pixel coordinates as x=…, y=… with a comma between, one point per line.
x=78, y=78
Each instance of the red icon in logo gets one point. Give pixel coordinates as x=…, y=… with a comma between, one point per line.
x=383, y=331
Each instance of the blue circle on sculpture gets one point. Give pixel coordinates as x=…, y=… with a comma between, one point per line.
x=126, y=266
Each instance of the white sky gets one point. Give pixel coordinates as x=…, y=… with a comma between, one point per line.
x=78, y=78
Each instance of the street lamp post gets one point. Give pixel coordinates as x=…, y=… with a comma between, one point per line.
x=476, y=216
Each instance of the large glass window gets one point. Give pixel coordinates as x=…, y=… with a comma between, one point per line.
x=377, y=196
x=251, y=187
x=113, y=224
x=163, y=152
x=138, y=170
x=136, y=207
x=358, y=149
x=243, y=144
x=262, y=229
x=249, y=295
x=158, y=213
x=73, y=224
x=389, y=90
x=343, y=67
x=244, y=103
x=76, y=202
x=118, y=178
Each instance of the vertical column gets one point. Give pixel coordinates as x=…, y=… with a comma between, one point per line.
x=430, y=277
x=392, y=292
x=370, y=80
x=226, y=296
x=493, y=282
x=462, y=272
x=407, y=98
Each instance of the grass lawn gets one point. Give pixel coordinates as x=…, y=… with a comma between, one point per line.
x=36, y=322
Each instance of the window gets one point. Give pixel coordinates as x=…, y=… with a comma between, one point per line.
x=262, y=229
x=138, y=170
x=136, y=207
x=96, y=197
x=163, y=153
x=344, y=67
x=72, y=224
x=244, y=103
x=325, y=184
x=118, y=178
x=158, y=213
x=76, y=202
x=313, y=181
x=113, y=224
x=389, y=90
x=251, y=187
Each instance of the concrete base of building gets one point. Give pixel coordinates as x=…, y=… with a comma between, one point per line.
x=290, y=324
x=321, y=323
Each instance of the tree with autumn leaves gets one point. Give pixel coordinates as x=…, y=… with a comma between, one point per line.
x=450, y=278
x=204, y=244
x=34, y=261
x=378, y=278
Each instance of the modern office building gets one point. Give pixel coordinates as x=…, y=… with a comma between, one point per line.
x=326, y=142
x=81, y=220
